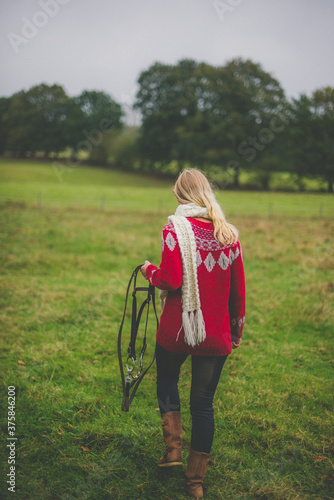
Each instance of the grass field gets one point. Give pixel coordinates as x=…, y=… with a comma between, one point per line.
x=37, y=184
x=64, y=271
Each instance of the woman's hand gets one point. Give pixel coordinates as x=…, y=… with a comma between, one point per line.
x=236, y=342
x=144, y=267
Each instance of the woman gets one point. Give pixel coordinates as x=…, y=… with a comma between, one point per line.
x=201, y=276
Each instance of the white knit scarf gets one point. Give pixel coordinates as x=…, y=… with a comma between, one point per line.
x=192, y=316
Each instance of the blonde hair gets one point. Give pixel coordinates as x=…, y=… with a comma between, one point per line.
x=193, y=187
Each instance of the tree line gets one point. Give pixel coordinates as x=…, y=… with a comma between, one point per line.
x=224, y=120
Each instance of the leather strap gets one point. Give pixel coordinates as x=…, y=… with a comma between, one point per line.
x=127, y=383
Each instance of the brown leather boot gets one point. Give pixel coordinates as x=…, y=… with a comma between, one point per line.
x=197, y=467
x=172, y=433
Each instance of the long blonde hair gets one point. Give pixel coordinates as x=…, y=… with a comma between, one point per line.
x=193, y=187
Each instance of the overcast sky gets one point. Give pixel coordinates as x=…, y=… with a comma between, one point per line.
x=104, y=45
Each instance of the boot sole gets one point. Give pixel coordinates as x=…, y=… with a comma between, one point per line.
x=170, y=464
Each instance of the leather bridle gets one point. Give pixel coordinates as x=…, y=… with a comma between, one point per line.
x=132, y=380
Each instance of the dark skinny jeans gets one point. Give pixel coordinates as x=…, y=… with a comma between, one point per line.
x=206, y=372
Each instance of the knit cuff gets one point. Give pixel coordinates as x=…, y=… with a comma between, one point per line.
x=237, y=325
x=150, y=271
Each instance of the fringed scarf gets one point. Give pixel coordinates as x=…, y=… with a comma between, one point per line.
x=192, y=316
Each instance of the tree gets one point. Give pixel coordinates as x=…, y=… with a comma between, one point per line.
x=99, y=106
x=50, y=107
x=16, y=122
x=158, y=100
x=35, y=120
x=45, y=119
x=259, y=103
x=194, y=112
x=312, y=135
x=323, y=116
x=123, y=148
x=99, y=115
x=4, y=107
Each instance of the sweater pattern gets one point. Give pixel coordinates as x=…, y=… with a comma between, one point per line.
x=206, y=242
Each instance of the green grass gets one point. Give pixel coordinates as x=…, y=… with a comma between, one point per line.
x=64, y=271
x=100, y=188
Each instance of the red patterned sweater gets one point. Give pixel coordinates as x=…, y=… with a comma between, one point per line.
x=221, y=283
